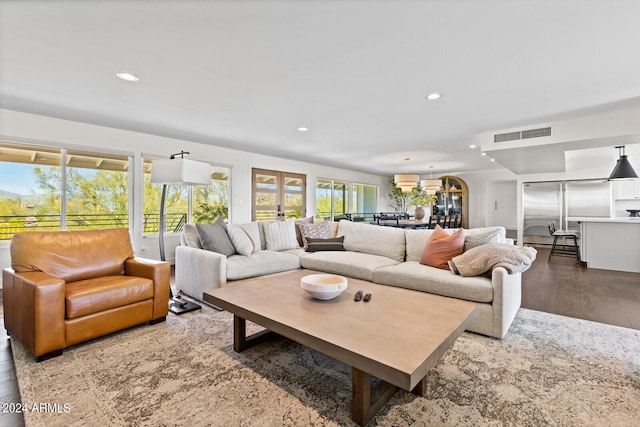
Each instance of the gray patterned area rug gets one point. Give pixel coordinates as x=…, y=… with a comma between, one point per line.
x=548, y=370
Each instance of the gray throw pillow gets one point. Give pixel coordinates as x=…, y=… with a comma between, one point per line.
x=214, y=237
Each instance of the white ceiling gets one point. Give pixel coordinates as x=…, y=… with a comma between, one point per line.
x=246, y=74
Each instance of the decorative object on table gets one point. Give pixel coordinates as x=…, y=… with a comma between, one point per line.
x=177, y=171
x=633, y=212
x=420, y=199
x=323, y=286
x=623, y=169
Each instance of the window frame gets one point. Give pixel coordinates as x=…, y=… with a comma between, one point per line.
x=65, y=154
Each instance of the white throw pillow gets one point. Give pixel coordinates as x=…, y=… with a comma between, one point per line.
x=281, y=235
x=253, y=230
x=241, y=240
x=478, y=237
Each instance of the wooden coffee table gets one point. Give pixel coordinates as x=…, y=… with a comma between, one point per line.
x=397, y=336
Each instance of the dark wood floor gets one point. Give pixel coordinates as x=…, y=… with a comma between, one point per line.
x=9, y=392
x=558, y=287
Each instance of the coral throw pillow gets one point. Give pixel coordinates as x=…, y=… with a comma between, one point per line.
x=441, y=247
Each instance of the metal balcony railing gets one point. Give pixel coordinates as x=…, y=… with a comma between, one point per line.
x=9, y=225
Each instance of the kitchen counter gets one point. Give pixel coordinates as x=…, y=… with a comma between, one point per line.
x=621, y=219
x=610, y=243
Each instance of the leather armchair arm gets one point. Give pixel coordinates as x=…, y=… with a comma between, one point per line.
x=34, y=310
x=160, y=273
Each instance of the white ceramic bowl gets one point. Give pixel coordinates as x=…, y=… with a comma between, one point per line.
x=323, y=286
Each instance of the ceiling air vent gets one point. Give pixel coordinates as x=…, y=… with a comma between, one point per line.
x=524, y=134
x=536, y=133
x=504, y=137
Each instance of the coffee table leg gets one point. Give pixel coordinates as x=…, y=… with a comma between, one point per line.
x=421, y=388
x=241, y=341
x=368, y=400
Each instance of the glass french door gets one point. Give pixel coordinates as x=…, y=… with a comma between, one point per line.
x=277, y=195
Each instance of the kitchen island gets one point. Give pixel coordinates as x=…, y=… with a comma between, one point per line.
x=610, y=243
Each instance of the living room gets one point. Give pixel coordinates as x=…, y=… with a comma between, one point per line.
x=337, y=93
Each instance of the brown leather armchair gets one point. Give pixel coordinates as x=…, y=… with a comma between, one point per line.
x=66, y=287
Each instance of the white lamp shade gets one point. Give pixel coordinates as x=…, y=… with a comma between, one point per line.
x=180, y=172
x=406, y=178
x=430, y=184
x=406, y=181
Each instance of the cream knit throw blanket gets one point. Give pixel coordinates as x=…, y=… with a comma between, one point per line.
x=484, y=258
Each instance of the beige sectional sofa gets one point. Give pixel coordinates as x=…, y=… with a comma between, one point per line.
x=384, y=255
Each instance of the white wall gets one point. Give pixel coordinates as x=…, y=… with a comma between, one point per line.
x=29, y=128
x=41, y=130
x=481, y=194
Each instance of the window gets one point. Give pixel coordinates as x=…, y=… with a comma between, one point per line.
x=97, y=191
x=340, y=196
x=324, y=208
x=199, y=203
x=332, y=200
x=37, y=192
x=212, y=201
x=365, y=201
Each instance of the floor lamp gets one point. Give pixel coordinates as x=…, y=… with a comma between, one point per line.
x=177, y=171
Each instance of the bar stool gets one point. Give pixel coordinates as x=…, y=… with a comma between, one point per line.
x=564, y=249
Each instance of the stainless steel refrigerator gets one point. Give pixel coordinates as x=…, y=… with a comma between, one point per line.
x=556, y=200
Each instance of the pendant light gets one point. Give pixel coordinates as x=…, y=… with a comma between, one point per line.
x=623, y=169
x=431, y=186
x=406, y=181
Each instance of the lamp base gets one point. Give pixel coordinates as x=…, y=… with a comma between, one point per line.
x=179, y=306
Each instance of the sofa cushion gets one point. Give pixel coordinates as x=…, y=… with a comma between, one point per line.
x=299, y=222
x=241, y=240
x=481, y=236
x=253, y=230
x=352, y=264
x=260, y=263
x=317, y=245
x=318, y=230
x=333, y=229
x=441, y=247
x=417, y=239
x=373, y=239
x=281, y=235
x=94, y=295
x=214, y=237
x=413, y=275
x=190, y=236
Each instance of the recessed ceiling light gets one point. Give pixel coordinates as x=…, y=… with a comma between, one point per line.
x=472, y=146
x=303, y=129
x=433, y=96
x=493, y=160
x=127, y=77
x=483, y=154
